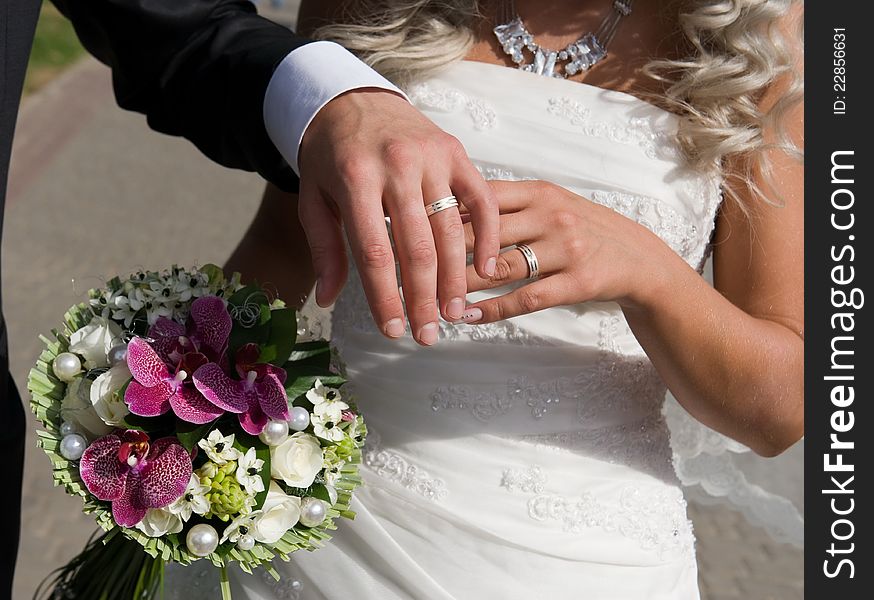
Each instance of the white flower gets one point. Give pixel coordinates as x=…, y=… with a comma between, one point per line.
x=192, y=501
x=126, y=304
x=159, y=522
x=327, y=403
x=242, y=525
x=297, y=460
x=248, y=472
x=94, y=341
x=76, y=409
x=107, y=402
x=220, y=449
x=321, y=395
x=280, y=513
x=192, y=284
x=332, y=473
x=325, y=426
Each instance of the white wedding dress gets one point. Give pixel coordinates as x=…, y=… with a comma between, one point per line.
x=528, y=458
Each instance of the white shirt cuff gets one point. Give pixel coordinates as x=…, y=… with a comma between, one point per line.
x=304, y=82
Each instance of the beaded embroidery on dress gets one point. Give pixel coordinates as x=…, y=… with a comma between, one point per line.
x=535, y=447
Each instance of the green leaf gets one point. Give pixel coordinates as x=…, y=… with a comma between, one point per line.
x=189, y=433
x=318, y=490
x=317, y=353
x=242, y=442
x=302, y=377
x=283, y=334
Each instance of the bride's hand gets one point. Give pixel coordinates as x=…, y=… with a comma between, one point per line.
x=585, y=252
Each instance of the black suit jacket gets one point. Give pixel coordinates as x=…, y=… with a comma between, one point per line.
x=195, y=68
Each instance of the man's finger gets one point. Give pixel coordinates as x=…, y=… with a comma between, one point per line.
x=325, y=240
x=480, y=201
x=512, y=266
x=364, y=221
x=417, y=256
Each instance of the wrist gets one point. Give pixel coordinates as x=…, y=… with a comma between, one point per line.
x=657, y=279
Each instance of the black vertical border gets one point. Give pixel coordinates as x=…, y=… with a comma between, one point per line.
x=826, y=133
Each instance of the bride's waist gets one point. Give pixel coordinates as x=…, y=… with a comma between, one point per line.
x=502, y=389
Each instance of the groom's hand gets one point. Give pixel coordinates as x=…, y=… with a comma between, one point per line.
x=369, y=153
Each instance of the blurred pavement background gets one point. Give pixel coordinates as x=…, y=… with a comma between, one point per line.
x=94, y=192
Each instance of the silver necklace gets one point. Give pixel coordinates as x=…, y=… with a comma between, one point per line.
x=578, y=56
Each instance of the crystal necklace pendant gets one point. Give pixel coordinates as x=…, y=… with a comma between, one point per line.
x=581, y=55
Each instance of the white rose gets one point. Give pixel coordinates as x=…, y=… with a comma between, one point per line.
x=158, y=522
x=297, y=460
x=76, y=409
x=108, y=404
x=94, y=341
x=280, y=513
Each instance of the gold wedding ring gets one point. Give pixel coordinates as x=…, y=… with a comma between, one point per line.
x=439, y=205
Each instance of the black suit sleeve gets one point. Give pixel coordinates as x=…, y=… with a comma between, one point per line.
x=195, y=68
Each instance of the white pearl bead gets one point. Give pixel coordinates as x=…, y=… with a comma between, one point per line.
x=66, y=366
x=274, y=433
x=312, y=512
x=117, y=354
x=299, y=418
x=73, y=446
x=67, y=428
x=246, y=542
x=202, y=540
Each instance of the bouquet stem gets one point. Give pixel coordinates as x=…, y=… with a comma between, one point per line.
x=110, y=567
x=225, y=583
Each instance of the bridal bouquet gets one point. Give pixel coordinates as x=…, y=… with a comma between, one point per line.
x=181, y=407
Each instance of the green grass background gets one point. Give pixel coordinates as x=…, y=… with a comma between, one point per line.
x=55, y=47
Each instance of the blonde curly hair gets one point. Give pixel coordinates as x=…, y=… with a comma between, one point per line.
x=738, y=52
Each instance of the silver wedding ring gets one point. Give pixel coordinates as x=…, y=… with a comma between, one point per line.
x=531, y=259
x=442, y=204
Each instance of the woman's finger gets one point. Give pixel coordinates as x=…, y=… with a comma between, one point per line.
x=516, y=228
x=513, y=266
x=537, y=295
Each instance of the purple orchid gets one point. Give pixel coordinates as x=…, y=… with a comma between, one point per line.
x=257, y=397
x=162, y=369
x=208, y=327
x=156, y=390
x=134, y=475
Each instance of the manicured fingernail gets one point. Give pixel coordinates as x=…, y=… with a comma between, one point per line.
x=394, y=328
x=472, y=315
x=428, y=334
x=455, y=308
x=491, y=265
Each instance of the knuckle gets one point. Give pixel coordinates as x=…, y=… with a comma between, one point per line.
x=452, y=230
x=376, y=255
x=355, y=169
x=400, y=154
x=529, y=300
x=453, y=147
x=384, y=308
x=503, y=270
x=565, y=221
x=576, y=247
x=421, y=254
